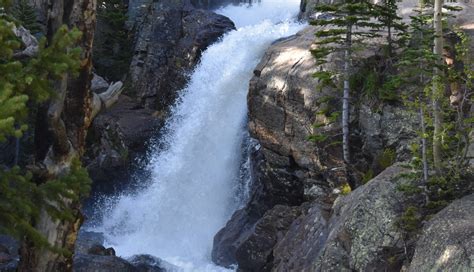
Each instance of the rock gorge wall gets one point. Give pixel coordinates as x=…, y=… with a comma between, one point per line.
x=296, y=219
x=169, y=37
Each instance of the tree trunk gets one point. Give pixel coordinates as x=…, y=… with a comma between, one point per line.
x=424, y=156
x=62, y=138
x=437, y=91
x=346, y=100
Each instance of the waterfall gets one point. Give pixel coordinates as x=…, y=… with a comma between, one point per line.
x=195, y=173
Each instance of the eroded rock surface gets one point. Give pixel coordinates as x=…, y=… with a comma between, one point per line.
x=447, y=243
x=256, y=252
x=360, y=235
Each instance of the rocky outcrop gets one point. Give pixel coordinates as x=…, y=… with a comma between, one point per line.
x=282, y=105
x=170, y=38
x=289, y=168
x=360, y=235
x=116, y=137
x=256, y=252
x=87, y=263
x=92, y=255
x=285, y=103
x=447, y=242
x=139, y=263
x=269, y=188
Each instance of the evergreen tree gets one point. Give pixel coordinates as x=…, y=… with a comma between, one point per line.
x=386, y=13
x=345, y=26
x=22, y=196
x=415, y=73
x=26, y=15
x=438, y=88
x=113, y=52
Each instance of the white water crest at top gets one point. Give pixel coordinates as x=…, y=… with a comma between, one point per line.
x=195, y=175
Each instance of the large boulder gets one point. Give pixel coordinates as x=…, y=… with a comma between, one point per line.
x=256, y=252
x=361, y=234
x=87, y=240
x=170, y=37
x=97, y=263
x=116, y=137
x=90, y=254
x=447, y=242
x=102, y=263
x=302, y=243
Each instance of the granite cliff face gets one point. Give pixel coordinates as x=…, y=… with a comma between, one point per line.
x=314, y=227
x=169, y=39
x=283, y=106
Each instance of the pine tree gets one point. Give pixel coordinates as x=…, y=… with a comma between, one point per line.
x=26, y=15
x=113, y=54
x=386, y=13
x=21, y=196
x=345, y=26
x=415, y=73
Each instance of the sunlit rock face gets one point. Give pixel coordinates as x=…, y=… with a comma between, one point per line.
x=447, y=243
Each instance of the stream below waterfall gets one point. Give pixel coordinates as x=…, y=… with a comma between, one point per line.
x=198, y=175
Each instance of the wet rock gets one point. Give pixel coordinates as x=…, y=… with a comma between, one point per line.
x=256, y=252
x=170, y=38
x=86, y=240
x=447, y=242
x=270, y=188
x=96, y=263
x=105, y=263
x=100, y=250
x=148, y=263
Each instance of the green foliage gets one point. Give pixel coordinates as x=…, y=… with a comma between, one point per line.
x=386, y=13
x=21, y=200
x=368, y=176
x=387, y=158
x=26, y=16
x=410, y=189
x=317, y=138
x=345, y=189
x=333, y=36
x=113, y=50
x=30, y=81
x=374, y=81
x=410, y=221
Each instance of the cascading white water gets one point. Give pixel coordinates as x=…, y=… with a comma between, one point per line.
x=195, y=176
